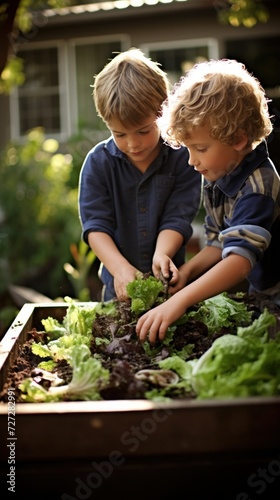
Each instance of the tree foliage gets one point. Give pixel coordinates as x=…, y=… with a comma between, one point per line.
x=16, y=20
x=242, y=13
x=38, y=214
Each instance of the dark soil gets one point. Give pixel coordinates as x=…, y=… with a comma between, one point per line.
x=123, y=356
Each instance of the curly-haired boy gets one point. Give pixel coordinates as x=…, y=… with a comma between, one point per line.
x=219, y=111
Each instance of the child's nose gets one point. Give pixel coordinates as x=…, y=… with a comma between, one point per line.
x=192, y=160
x=133, y=142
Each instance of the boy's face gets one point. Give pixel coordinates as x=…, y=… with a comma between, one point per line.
x=139, y=143
x=210, y=157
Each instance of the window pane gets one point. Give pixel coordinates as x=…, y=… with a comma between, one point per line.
x=34, y=114
x=39, y=100
x=90, y=59
x=177, y=61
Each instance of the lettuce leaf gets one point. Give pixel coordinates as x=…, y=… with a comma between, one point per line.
x=221, y=311
x=143, y=293
x=242, y=365
x=88, y=378
x=78, y=318
x=183, y=368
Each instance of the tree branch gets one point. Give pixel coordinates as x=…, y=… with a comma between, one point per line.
x=7, y=18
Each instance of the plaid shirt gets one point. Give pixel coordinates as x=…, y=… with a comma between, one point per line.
x=243, y=216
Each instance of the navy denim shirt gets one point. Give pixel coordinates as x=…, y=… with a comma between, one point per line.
x=132, y=207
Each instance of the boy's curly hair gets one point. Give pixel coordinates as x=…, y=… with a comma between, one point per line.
x=130, y=88
x=221, y=93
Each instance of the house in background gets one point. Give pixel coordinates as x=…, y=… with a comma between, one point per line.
x=67, y=47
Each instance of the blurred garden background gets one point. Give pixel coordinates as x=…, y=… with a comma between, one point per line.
x=41, y=248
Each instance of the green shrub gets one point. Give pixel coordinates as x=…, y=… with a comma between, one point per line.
x=38, y=214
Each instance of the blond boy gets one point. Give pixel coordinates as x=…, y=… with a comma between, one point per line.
x=137, y=196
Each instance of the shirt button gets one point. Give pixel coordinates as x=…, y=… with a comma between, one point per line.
x=144, y=234
x=143, y=210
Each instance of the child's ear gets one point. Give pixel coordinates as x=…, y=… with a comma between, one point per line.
x=241, y=140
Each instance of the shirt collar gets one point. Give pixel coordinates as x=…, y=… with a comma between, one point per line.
x=111, y=146
x=231, y=183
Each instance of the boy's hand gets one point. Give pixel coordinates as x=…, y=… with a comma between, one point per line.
x=154, y=323
x=124, y=276
x=164, y=267
x=180, y=283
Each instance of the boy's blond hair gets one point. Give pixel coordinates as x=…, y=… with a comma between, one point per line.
x=130, y=88
x=222, y=94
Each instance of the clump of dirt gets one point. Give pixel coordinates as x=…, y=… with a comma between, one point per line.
x=124, y=355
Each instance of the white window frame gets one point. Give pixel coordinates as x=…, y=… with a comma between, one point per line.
x=211, y=43
x=72, y=78
x=67, y=83
x=63, y=90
